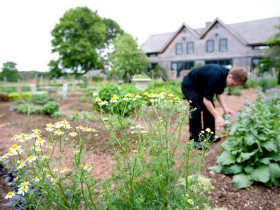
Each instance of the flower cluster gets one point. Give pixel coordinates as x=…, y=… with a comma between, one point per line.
x=29, y=154
x=138, y=129
x=152, y=97
x=162, y=97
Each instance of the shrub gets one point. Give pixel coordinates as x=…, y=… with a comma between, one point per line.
x=24, y=95
x=173, y=87
x=250, y=83
x=28, y=109
x=267, y=83
x=252, y=150
x=39, y=99
x=113, y=92
x=236, y=91
x=50, y=108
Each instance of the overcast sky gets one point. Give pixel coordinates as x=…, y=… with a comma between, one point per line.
x=25, y=25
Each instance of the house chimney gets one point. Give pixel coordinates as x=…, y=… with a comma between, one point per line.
x=208, y=23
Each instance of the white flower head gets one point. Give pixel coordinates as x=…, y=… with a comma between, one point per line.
x=58, y=132
x=9, y=195
x=31, y=158
x=73, y=134
x=88, y=167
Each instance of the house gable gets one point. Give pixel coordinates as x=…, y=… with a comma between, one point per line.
x=216, y=22
x=185, y=33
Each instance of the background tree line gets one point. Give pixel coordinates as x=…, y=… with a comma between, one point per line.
x=83, y=41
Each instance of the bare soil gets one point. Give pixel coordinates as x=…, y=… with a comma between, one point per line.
x=223, y=195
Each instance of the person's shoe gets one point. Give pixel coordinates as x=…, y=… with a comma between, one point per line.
x=197, y=145
x=215, y=139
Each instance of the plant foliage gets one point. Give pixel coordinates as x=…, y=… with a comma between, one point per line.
x=252, y=150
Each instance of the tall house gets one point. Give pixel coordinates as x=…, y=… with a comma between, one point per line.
x=239, y=44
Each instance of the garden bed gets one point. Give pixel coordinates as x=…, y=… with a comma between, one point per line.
x=99, y=152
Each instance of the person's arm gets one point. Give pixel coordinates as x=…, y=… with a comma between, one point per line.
x=219, y=121
x=221, y=101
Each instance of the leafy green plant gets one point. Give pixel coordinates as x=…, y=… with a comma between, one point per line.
x=50, y=108
x=39, y=99
x=112, y=93
x=267, y=83
x=252, y=149
x=250, y=83
x=236, y=91
x=73, y=116
x=28, y=109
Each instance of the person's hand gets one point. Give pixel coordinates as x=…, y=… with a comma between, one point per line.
x=219, y=122
x=229, y=112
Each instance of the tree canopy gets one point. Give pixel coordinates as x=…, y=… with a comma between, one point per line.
x=77, y=39
x=127, y=58
x=9, y=72
x=274, y=51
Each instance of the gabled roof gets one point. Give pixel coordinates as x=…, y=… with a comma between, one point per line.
x=217, y=20
x=257, y=31
x=247, y=32
x=155, y=43
x=183, y=26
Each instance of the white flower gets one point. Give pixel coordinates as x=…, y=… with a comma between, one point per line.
x=36, y=179
x=21, y=164
x=49, y=127
x=73, y=134
x=58, y=132
x=63, y=170
x=23, y=188
x=58, y=124
x=87, y=167
x=40, y=141
x=31, y=158
x=10, y=195
x=53, y=180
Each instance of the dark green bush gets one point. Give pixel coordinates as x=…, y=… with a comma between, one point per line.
x=250, y=83
x=50, y=108
x=39, y=99
x=267, y=83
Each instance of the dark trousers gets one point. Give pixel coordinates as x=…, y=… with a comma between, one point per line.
x=199, y=117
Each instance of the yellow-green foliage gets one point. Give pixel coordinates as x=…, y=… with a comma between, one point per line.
x=23, y=95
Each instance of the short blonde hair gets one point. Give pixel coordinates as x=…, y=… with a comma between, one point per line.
x=239, y=75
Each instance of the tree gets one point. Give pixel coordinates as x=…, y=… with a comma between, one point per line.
x=274, y=52
x=10, y=72
x=76, y=39
x=112, y=31
x=127, y=58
